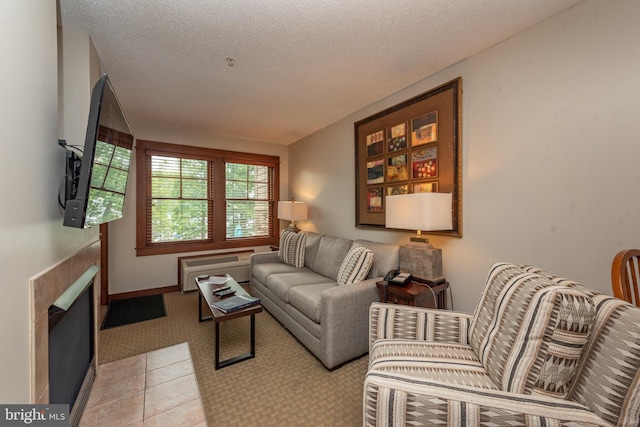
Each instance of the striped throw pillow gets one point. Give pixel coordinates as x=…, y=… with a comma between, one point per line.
x=292, y=246
x=536, y=333
x=355, y=266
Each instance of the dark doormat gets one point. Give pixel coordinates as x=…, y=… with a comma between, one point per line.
x=132, y=310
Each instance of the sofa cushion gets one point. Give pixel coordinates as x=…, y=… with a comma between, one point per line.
x=307, y=299
x=261, y=272
x=537, y=332
x=448, y=362
x=280, y=284
x=385, y=257
x=331, y=252
x=355, y=265
x=292, y=248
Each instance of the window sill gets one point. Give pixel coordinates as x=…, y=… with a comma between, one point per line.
x=172, y=248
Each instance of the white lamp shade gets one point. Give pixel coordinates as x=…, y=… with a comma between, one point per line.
x=419, y=211
x=293, y=211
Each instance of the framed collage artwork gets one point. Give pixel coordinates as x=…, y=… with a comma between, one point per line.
x=411, y=147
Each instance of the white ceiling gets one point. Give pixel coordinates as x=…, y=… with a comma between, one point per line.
x=299, y=65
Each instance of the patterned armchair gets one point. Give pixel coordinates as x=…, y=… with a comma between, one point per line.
x=539, y=350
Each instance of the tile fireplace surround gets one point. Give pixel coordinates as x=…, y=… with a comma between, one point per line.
x=45, y=288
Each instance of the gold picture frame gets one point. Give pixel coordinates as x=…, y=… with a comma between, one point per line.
x=426, y=131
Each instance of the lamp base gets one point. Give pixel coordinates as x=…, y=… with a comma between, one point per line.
x=420, y=239
x=422, y=260
x=293, y=227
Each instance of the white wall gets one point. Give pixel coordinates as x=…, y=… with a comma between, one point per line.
x=128, y=273
x=550, y=153
x=31, y=167
x=78, y=71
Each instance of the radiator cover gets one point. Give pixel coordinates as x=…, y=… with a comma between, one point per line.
x=235, y=264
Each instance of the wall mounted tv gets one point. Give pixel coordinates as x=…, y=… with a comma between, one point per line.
x=96, y=182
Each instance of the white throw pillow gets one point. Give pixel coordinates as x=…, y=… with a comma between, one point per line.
x=292, y=246
x=355, y=266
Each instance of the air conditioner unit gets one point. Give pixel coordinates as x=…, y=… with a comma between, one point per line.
x=235, y=264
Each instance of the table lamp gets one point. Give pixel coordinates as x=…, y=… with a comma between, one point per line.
x=420, y=212
x=293, y=211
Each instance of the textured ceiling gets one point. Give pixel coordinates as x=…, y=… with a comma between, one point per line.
x=299, y=65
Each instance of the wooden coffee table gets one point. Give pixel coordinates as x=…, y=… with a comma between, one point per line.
x=206, y=293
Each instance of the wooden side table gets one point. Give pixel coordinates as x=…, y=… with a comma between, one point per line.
x=418, y=293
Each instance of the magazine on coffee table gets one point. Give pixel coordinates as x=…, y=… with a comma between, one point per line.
x=212, y=280
x=235, y=303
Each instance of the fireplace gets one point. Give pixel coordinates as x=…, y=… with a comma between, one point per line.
x=57, y=288
x=71, y=346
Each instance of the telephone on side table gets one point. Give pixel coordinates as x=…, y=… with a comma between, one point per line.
x=395, y=277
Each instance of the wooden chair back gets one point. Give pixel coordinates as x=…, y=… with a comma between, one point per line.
x=625, y=275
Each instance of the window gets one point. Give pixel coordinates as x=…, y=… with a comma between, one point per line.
x=179, y=203
x=247, y=200
x=194, y=199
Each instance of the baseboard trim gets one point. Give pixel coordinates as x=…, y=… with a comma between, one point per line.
x=145, y=292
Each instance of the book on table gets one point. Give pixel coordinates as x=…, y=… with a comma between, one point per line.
x=235, y=303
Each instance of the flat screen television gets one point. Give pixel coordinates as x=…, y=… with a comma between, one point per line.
x=96, y=183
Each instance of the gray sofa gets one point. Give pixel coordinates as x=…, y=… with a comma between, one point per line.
x=331, y=320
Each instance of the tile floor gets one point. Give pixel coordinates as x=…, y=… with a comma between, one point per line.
x=158, y=388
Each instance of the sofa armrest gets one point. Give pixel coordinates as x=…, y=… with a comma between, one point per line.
x=345, y=320
x=398, y=400
x=262, y=258
x=388, y=321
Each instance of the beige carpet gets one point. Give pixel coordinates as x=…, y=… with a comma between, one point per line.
x=284, y=385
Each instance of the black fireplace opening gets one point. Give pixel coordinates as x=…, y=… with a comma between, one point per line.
x=71, y=352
